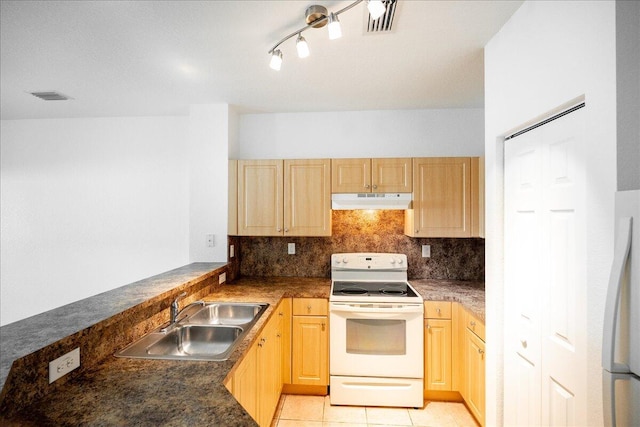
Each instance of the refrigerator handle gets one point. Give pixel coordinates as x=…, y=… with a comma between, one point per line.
x=620, y=257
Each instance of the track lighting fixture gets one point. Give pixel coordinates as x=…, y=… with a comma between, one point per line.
x=302, y=47
x=335, y=31
x=276, y=60
x=376, y=8
x=317, y=16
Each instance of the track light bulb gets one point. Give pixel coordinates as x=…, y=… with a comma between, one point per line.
x=276, y=60
x=302, y=47
x=376, y=8
x=335, y=31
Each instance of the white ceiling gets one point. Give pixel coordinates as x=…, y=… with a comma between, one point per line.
x=138, y=58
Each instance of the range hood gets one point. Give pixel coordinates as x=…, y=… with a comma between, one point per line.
x=352, y=201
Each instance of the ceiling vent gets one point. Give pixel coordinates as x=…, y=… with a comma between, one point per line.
x=50, y=96
x=384, y=23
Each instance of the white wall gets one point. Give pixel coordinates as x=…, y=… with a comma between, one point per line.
x=88, y=205
x=208, y=165
x=628, y=93
x=397, y=133
x=547, y=54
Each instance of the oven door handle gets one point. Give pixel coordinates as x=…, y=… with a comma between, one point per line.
x=379, y=309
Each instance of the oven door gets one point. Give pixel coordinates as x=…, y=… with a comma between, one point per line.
x=376, y=340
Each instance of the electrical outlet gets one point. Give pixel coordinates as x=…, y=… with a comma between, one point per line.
x=232, y=251
x=291, y=249
x=222, y=278
x=426, y=251
x=64, y=364
x=211, y=240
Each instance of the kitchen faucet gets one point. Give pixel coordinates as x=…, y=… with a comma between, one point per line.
x=174, y=308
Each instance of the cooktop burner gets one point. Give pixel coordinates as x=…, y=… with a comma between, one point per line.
x=391, y=289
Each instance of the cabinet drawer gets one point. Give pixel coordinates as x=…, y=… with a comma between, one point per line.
x=437, y=310
x=310, y=307
x=475, y=325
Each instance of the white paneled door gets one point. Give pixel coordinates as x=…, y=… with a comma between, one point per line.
x=545, y=282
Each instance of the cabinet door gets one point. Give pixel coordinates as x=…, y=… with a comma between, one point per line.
x=350, y=175
x=310, y=350
x=475, y=375
x=441, y=198
x=269, y=372
x=284, y=313
x=437, y=354
x=260, y=203
x=307, y=201
x=245, y=383
x=232, y=220
x=391, y=175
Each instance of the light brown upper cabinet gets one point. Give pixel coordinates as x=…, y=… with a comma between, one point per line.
x=371, y=175
x=232, y=220
x=284, y=197
x=446, y=198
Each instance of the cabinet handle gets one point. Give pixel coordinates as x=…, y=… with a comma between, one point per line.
x=281, y=314
x=524, y=343
x=367, y=186
x=472, y=324
x=480, y=351
x=438, y=310
x=278, y=335
x=286, y=230
x=279, y=229
x=416, y=231
x=309, y=308
x=323, y=326
x=375, y=186
x=428, y=326
x=262, y=340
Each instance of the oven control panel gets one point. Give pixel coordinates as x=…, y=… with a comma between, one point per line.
x=369, y=261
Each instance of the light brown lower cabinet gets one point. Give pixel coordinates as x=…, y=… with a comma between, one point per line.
x=257, y=381
x=437, y=346
x=454, y=362
x=310, y=342
x=291, y=349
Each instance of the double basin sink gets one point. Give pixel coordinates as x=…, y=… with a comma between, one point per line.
x=202, y=331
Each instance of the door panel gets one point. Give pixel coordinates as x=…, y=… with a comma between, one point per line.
x=545, y=285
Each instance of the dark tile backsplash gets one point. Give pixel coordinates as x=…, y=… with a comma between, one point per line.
x=358, y=231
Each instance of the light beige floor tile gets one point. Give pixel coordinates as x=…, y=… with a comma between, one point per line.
x=462, y=415
x=299, y=423
x=333, y=424
x=308, y=408
x=388, y=416
x=433, y=414
x=344, y=414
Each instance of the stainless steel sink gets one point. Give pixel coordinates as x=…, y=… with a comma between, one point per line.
x=224, y=313
x=204, y=331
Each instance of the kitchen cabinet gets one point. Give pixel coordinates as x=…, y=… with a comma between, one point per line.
x=232, y=219
x=269, y=371
x=257, y=382
x=284, y=197
x=245, y=382
x=310, y=342
x=437, y=346
x=284, y=313
x=392, y=175
x=446, y=198
x=473, y=365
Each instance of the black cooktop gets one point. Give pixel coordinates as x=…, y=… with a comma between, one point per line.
x=364, y=289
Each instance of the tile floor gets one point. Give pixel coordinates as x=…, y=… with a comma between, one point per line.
x=316, y=411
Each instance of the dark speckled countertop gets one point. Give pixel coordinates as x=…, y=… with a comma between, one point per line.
x=175, y=393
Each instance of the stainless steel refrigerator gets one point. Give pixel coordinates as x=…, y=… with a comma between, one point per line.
x=621, y=338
